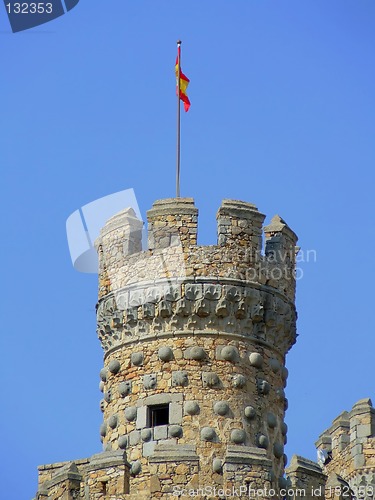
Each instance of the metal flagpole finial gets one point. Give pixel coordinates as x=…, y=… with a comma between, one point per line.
x=179, y=42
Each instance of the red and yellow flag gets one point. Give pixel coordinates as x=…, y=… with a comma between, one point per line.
x=184, y=82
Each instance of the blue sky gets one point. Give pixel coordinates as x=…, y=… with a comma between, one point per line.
x=282, y=115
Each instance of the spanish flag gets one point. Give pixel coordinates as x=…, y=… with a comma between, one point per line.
x=184, y=81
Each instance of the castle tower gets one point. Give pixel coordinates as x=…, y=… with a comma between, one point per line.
x=194, y=340
x=349, y=450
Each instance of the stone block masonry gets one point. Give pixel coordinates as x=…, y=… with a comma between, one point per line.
x=195, y=341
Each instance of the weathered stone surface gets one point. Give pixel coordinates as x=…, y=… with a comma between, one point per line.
x=256, y=360
x=195, y=329
x=238, y=436
x=114, y=366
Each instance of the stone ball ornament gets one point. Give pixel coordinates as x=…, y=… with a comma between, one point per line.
x=275, y=365
x=263, y=441
x=256, y=360
x=104, y=374
x=124, y=388
x=112, y=421
x=263, y=387
x=271, y=420
x=130, y=413
x=250, y=412
x=123, y=442
x=108, y=396
x=165, y=353
x=208, y=434
x=191, y=408
x=175, y=431
x=221, y=408
x=283, y=428
x=114, y=366
x=136, y=358
x=197, y=353
x=238, y=436
x=229, y=353
x=217, y=465
x=278, y=450
x=146, y=434
x=135, y=468
x=103, y=429
x=238, y=381
x=149, y=381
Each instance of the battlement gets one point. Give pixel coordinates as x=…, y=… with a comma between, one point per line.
x=349, y=442
x=173, y=252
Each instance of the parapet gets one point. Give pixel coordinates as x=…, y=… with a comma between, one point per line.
x=173, y=252
x=306, y=478
x=173, y=221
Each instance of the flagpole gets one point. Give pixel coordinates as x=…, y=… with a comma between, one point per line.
x=178, y=120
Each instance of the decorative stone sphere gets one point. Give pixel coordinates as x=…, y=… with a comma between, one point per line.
x=191, y=408
x=114, y=366
x=130, y=413
x=135, y=468
x=275, y=365
x=271, y=420
x=101, y=386
x=217, y=465
x=136, y=358
x=102, y=403
x=229, y=353
x=238, y=436
x=124, y=388
x=256, y=360
x=165, y=353
x=263, y=387
x=221, y=408
x=112, y=421
x=123, y=442
x=263, y=441
x=238, y=381
x=103, y=374
x=197, y=353
x=284, y=428
x=284, y=373
x=285, y=459
x=108, y=396
x=208, y=434
x=146, y=434
x=280, y=394
x=278, y=450
x=103, y=429
x=250, y=412
x=175, y=431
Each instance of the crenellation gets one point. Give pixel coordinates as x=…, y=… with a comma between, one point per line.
x=195, y=340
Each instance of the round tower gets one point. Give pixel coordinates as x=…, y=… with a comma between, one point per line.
x=194, y=340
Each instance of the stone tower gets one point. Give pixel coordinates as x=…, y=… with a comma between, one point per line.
x=195, y=340
x=349, y=450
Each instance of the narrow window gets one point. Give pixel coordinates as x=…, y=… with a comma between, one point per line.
x=158, y=415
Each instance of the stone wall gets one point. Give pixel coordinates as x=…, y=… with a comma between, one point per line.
x=203, y=331
x=195, y=341
x=349, y=448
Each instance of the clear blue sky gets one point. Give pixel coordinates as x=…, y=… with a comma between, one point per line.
x=282, y=115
